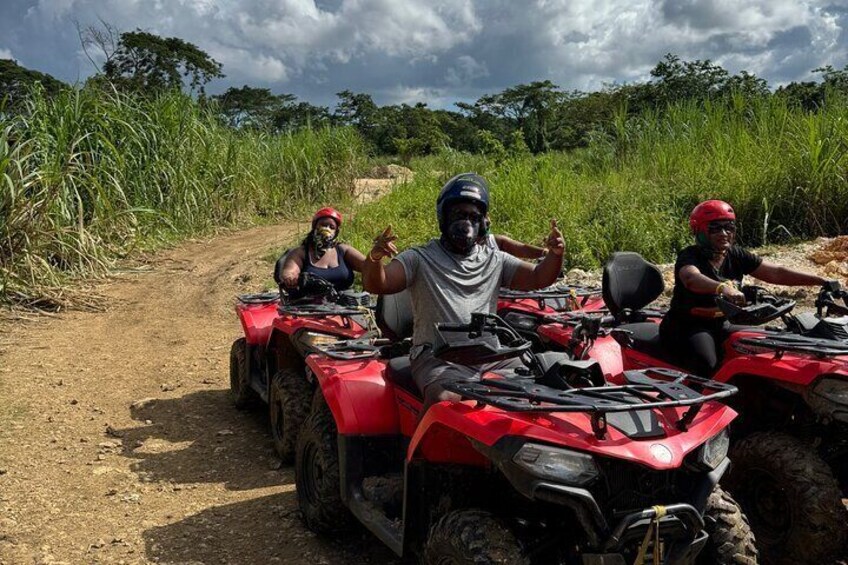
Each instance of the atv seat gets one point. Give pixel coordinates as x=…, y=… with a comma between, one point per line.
x=399, y=373
x=629, y=284
x=646, y=338
x=394, y=318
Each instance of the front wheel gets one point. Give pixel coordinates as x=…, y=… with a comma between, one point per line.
x=791, y=498
x=731, y=541
x=242, y=394
x=288, y=406
x=316, y=473
x=472, y=537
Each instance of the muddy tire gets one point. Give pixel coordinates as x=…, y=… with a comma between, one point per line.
x=790, y=497
x=317, y=474
x=288, y=405
x=243, y=396
x=731, y=540
x=473, y=537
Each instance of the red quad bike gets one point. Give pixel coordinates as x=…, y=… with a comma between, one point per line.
x=267, y=364
x=542, y=464
x=525, y=310
x=790, y=444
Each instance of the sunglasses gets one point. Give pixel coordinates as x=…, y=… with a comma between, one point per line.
x=717, y=227
x=473, y=217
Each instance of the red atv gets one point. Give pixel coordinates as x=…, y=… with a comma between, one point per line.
x=790, y=444
x=268, y=362
x=544, y=464
x=525, y=310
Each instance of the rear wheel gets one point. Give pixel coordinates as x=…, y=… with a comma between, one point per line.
x=791, y=498
x=471, y=537
x=243, y=396
x=317, y=473
x=288, y=406
x=731, y=540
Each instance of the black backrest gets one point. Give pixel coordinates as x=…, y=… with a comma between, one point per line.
x=630, y=283
x=394, y=315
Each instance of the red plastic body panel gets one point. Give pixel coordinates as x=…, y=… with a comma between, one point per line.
x=572, y=430
x=791, y=368
x=256, y=320
x=361, y=401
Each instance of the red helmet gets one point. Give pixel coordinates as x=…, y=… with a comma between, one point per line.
x=327, y=213
x=709, y=211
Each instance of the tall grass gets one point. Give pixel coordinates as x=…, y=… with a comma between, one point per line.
x=88, y=175
x=783, y=169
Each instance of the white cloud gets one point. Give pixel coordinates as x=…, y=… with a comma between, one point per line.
x=448, y=49
x=6, y=54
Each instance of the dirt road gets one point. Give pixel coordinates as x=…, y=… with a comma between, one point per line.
x=118, y=443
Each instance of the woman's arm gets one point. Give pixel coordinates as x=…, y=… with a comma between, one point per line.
x=776, y=274
x=518, y=249
x=695, y=281
x=292, y=267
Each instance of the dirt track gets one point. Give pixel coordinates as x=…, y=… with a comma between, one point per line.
x=118, y=443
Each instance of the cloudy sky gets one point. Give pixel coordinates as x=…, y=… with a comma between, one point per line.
x=441, y=51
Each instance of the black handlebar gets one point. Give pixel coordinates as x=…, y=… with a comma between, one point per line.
x=761, y=308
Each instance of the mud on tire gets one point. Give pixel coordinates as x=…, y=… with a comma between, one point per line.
x=731, y=540
x=243, y=396
x=288, y=406
x=317, y=473
x=791, y=498
x=473, y=537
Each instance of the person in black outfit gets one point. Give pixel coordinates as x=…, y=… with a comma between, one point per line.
x=694, y=327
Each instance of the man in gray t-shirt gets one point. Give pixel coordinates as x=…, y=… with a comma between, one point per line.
x=451, y=277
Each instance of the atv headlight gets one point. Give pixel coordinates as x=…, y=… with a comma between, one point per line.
x=715, y=450
x=522, y=321
x=556, y=464
x=306, y=341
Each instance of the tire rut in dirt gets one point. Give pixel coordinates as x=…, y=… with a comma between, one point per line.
x=317, y=473
x=472, y=537
x=243, y=396
x=288, y=408
x=731, y=540
x=791, y=498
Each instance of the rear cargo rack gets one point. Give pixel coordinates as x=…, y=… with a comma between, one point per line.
x=797, y=343
x=578, y=294
x=647, y=389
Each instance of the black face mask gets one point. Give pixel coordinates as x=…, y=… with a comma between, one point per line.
x=463, y=235
x=324, y=239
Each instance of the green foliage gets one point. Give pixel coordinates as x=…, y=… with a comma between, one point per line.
x=16, y=82
x=632, y=188
x=87, y=176
x=145, y=62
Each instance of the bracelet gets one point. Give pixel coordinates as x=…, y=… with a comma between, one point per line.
x=720, y=286
x=371, y=258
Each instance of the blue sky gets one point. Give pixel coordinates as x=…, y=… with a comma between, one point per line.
x=442, y=51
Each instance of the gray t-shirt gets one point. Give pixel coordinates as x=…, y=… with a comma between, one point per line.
x=446, y=287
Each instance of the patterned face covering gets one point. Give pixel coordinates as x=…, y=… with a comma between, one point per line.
x=325, y=238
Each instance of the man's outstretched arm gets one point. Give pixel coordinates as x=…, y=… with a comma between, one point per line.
x=531, y=277
x=378, y=278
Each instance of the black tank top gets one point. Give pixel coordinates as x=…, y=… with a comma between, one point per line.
x=341, y=276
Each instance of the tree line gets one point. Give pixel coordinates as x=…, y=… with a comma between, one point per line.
x=534, y=117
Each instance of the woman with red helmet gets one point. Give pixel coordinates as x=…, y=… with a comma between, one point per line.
x=321, y=255
x=694, y=326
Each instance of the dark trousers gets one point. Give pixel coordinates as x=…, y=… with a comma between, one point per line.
x=695, y=345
